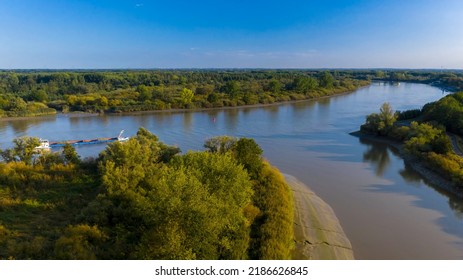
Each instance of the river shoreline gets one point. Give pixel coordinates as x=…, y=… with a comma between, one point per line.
x=318, y=234
x=430, y=176
x=173, y=111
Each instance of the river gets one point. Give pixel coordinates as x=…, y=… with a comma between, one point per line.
x=386, y=209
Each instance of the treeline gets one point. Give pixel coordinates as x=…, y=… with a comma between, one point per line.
x=143, y=200
x=123, y=91
x=14, y=106
x=451, y=80
x=423, y=139
x=447, y=111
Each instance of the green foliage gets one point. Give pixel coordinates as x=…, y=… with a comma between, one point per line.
x=272, y=236
x=127, y=91
x=400, y=133
x=427, y=142
x=271, y=213
x=249, y=154
x=274, y=86
x=186, y=96
x=371, y=124
x=145, y=201
x=231, y=88
x=408, y=114
x=305, y=84
x=450, y=166
x=191, y=208
x=326, y=80
x=387, y=117
x=220, y=144
x=24, y=150
x=39, y=96
x=15, y=106
x=36, y=203
x=382, y=123
x=447, y=111
x=426, y=138
x=79, y=243
x=70, y=155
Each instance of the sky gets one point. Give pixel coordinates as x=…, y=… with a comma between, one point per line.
x=59, y=34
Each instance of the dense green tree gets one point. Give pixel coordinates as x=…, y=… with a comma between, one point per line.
x=70, y=155
x=426, y=138
x=220, y=144
x=141, y=200
x=39, y=95
x=187, y=96
x=193, y=209
x=326, y=80
x=232, y=88
x=381, y=123
x=79, y=242
x=447, y=111
x=248, y=153
x=23, y=150
x=387, y=117
x=304, y=84
x=213, y=97
x=274, y=86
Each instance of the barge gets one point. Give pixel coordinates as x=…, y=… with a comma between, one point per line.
x=45, y=144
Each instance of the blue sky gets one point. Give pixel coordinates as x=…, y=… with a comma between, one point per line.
x=231, y=34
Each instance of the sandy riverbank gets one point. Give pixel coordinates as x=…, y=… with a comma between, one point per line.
x=317, y=231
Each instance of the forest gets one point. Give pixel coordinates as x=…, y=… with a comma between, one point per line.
x=33, y=93
x=143, y=199
x=36, y=93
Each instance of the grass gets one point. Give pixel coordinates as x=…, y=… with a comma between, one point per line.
x=37, y=204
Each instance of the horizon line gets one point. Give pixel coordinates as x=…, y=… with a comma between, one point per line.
x=226, y=68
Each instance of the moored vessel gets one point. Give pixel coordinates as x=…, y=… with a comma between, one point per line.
x=45, y=144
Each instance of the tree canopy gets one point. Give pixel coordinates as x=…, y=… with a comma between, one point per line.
x=142, y=199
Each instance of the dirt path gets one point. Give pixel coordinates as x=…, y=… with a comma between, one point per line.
x=318, y=233
x=456, y=148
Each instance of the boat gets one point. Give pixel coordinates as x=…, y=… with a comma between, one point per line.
x=45, y=144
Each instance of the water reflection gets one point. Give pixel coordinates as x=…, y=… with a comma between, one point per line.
x=274, y=113
x=377, y=154
x=456, y=204
x=187, y=122
x=21, y=127
x=383, y=157
x=231, y=119
x=410, y=176
x=145, y=120
x=104, y=119
x=3, y=125
x=324, y=102
x=83, y=121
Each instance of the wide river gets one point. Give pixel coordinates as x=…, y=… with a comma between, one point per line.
x=386, y=209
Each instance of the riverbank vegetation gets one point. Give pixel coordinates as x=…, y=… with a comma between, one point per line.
x=424, y=136
x=35, y=92
x=24, y=93
x=142, y=199
x=450, y=80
